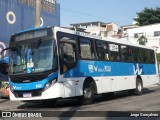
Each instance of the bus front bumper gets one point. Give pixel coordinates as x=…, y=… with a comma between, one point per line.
x=55, y=91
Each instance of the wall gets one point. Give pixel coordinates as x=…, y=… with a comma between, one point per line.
x=148, y=32
x=21, y=16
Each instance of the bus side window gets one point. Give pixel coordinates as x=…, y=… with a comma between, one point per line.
x=102, y=50
x=135, y=54
x=126, y=53
x=144, y=55
x=68, y=52
x=114, y=52
x=86, y=49
x=67, y=56
x=151, y=55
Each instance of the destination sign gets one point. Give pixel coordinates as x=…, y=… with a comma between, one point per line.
x=87, y=35
x=30, y=35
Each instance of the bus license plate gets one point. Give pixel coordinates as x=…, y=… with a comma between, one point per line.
x=26, y=95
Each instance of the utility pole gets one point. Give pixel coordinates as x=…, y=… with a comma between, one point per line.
x=38, y=13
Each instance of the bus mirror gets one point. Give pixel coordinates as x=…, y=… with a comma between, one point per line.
x=2, y=55
x=74, y=57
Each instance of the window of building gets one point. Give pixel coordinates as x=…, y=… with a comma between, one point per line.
x=47, y=5
x=86, y=49
x=102, y=50
x=135, y=35
x=156, y=33
x=114, y=52
x=126, y=53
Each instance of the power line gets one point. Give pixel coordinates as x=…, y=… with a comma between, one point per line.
x=90, y=15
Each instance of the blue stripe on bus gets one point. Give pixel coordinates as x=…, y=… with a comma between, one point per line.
x=33, y=85
x=86, y=68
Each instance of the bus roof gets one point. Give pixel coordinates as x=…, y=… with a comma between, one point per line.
x=109, y=39
x=74, y=32
x=29, y=29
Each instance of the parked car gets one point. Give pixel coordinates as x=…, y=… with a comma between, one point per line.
x=4, y=88
x=4, y=84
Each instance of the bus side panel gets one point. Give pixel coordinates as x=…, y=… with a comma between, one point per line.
x=149, y=80
x=148, y=74
x=123, y=83
x=106, y=84
x=99, y=84
x=109, y=76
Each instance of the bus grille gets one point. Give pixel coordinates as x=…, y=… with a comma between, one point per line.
x=34, y=93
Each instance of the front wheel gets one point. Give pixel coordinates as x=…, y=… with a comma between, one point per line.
x=88, y=93
x=139, y=87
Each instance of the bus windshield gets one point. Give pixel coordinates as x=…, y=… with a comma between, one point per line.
x=33, y=57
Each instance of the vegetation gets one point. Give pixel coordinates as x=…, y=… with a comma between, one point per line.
x=148, y=16
x=158, y=57
x=142, y=40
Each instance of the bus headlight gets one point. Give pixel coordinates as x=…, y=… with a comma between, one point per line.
x=49, y=84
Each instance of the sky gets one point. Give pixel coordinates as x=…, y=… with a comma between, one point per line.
x=120, y=12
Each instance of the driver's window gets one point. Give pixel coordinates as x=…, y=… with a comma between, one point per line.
x=68, y=52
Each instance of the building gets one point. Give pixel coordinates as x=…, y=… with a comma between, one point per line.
x=18, y=15
x=125, y=30
x=150, y=32
x=98, y=28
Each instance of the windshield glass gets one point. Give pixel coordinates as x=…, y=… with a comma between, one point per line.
x=33, y=57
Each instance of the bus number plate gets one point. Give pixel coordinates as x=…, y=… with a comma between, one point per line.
x=26, y=95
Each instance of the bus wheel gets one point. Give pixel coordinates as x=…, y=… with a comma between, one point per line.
x=139, y=87
x=88, y=93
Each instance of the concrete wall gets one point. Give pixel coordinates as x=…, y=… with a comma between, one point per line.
x=148, y=32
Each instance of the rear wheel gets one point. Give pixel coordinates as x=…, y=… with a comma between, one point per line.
x=139, y=87
x=88, y=93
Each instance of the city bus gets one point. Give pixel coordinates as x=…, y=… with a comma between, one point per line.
x=51, y=62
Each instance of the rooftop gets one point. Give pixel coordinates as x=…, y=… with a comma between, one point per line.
x=88, y=23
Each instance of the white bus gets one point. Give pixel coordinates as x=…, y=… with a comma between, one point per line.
x=53, y=62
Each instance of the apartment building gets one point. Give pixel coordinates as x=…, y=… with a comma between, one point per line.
x=150, y=32
x=98, y=28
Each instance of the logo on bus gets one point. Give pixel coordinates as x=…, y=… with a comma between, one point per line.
x=93, y=68
x=137, y=69
x=90, y=67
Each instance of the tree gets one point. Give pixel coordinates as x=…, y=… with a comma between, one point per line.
x=142, y=40
x=158, y=57
x=148, y=16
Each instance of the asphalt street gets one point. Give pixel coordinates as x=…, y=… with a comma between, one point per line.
x=120, y=102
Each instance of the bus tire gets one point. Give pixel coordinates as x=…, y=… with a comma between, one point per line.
x=139, y=87
x=88, y=93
